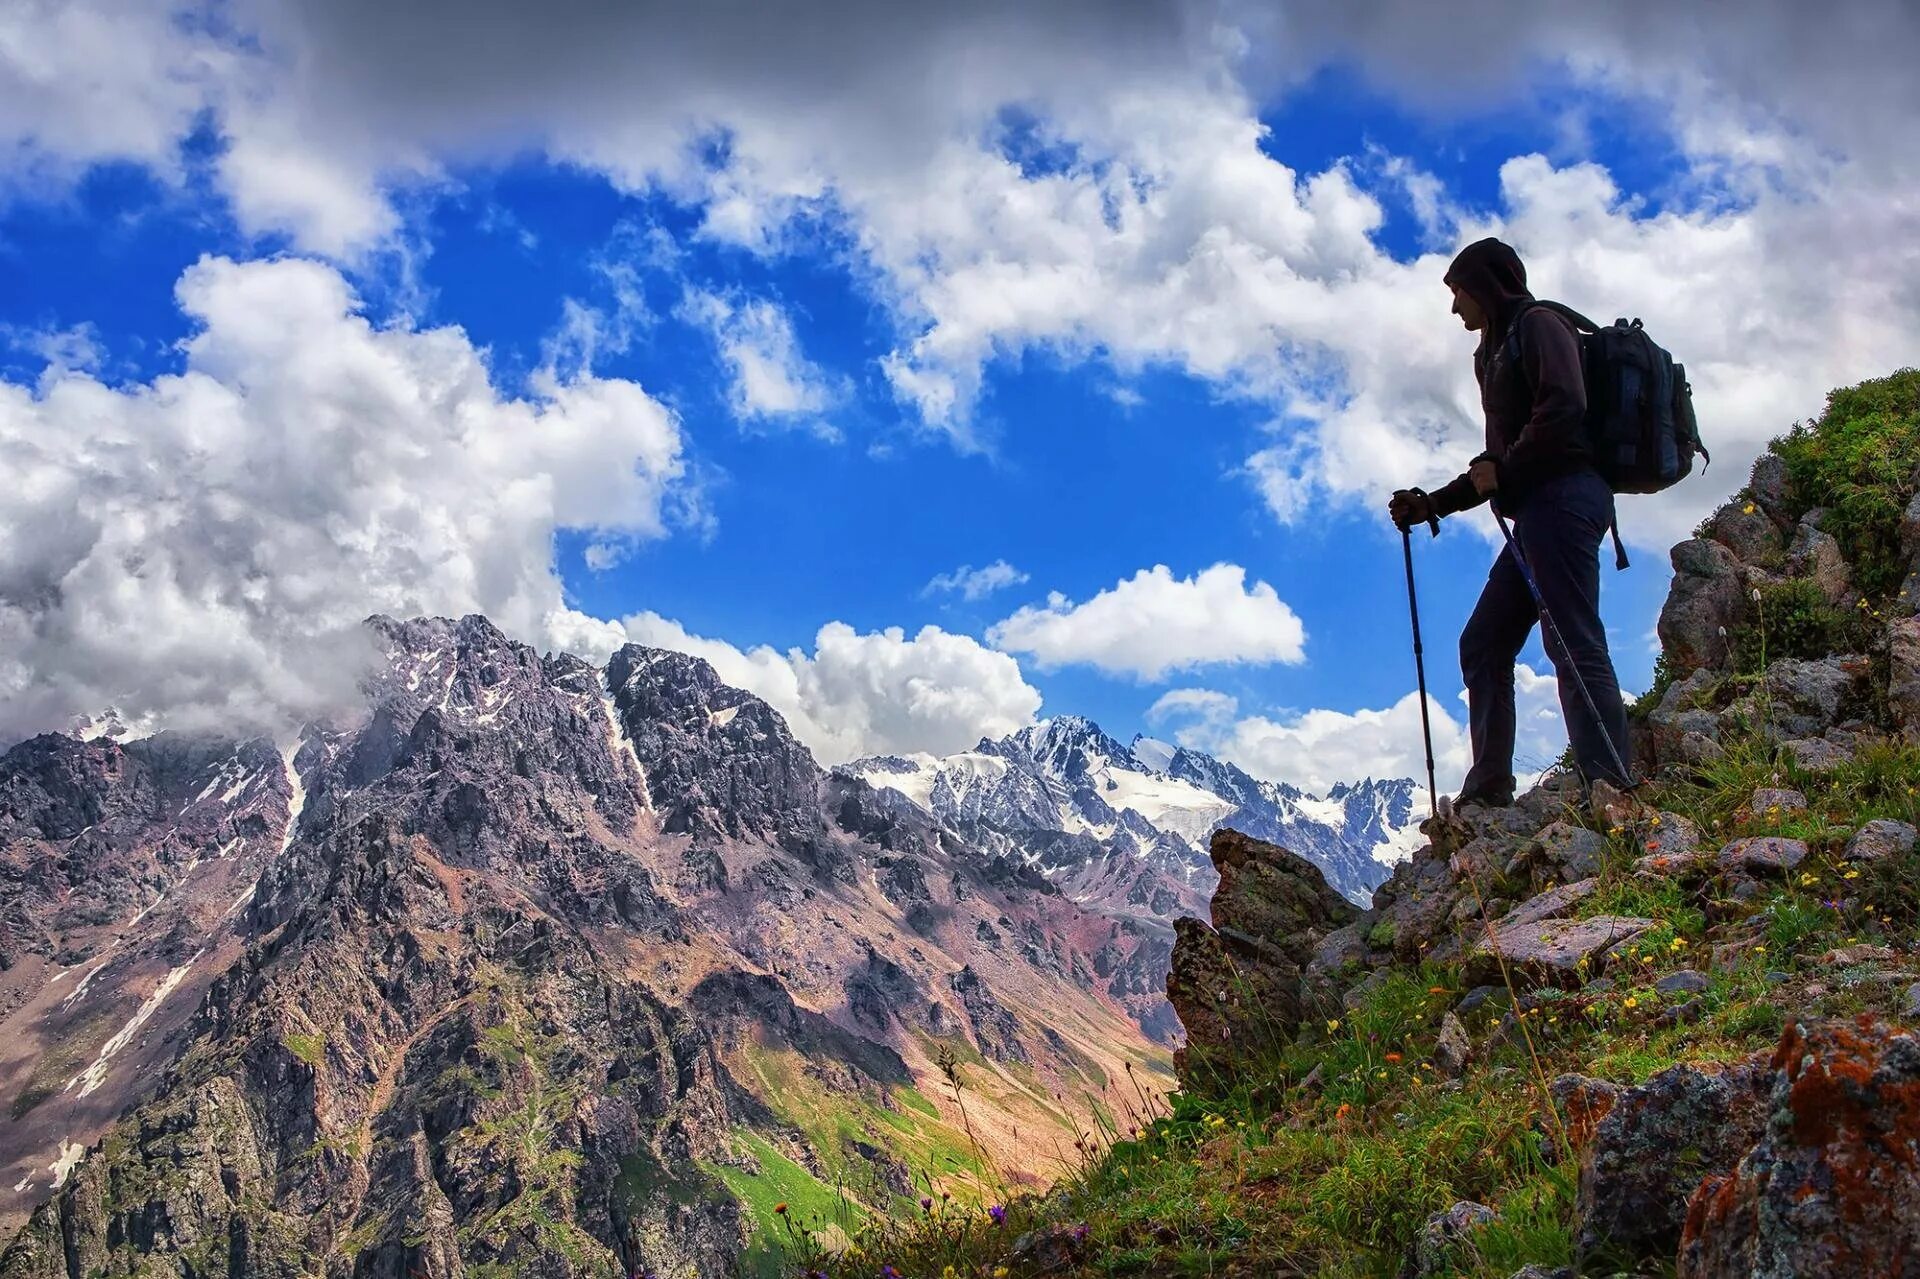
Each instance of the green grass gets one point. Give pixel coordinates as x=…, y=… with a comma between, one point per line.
x=311, y=1049
x=782, y=1202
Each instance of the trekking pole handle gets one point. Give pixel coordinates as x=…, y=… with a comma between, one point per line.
x=1433, y=521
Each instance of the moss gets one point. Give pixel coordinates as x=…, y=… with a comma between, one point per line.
x=1381, y=935
x=311, y=1049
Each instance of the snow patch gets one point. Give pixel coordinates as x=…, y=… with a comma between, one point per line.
x=618, y=737
x=1153, y=754
x=722, y=718
x=70, y=1153
x=87, y=980
x=298, y=800
x=93, y=1076
x=916, y=783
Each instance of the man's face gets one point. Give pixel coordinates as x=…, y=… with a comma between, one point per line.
x=1467, y=309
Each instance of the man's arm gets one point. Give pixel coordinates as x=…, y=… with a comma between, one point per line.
x=1550, y=364
x=1457, y=495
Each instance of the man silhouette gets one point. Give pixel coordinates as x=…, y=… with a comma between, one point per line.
x=1538, y=469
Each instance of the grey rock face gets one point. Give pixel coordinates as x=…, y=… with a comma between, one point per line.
x=1816, y=555
x=1879, y=839
x=1654, y=1147
x=1554, y=951
x=1903, y=685
x=1762, y=854
x=1751, y=535
x=1708, y=597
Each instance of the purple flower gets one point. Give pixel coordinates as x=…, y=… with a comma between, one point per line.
x=926, y=1204
x=998, y=1214
x=888, y=1272
x=1080, y=1233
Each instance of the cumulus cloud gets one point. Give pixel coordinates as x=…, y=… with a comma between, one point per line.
x=771, y=381
x=1134, y=214
x=1320, y=748
x=203, y=546
x=863, y=694
x=975, y=584
x=1153, y=623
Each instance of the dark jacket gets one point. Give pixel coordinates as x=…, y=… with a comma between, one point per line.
x=1535, y=411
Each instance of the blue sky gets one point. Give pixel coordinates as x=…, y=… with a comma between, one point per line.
x=1148, y=427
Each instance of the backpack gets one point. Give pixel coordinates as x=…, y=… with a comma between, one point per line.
x=1640, y=422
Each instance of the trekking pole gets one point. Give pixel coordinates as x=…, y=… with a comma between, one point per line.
x=1547, y=624
x=1419, y=660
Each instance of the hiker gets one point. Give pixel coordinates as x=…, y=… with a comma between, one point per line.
x=1539, y=471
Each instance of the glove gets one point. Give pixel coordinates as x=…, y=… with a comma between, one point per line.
x=1413, y=506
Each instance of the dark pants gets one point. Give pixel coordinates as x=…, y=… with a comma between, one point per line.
x=1559, y=530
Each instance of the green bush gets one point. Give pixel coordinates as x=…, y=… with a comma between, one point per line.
x=1858, y=462
x=1792, y=619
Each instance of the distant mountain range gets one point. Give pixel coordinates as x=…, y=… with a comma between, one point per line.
x=1098, y=817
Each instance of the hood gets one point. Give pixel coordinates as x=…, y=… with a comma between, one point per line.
x=1491, y=273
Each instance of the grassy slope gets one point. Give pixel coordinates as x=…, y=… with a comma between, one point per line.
x=1277, y=1177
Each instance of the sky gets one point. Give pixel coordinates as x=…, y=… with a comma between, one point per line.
x=929, y=368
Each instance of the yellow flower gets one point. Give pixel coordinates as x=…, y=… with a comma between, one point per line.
x=1000, y=1272
x=1615, y=830
x=1807, y=878
x=1333, y=1025
x=1630, y=1002
x=949, y=1273
x=1646, y=959
x=1852, y=874
x=1759, y=950
x=1748, y=509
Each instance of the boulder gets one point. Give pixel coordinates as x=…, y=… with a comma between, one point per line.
x=1769, y=487
x=1238, y=986
x=1817, y=755
x=1655, y=1146
x=1903, y=683
x=1563, y=952
x=1776, y=801
x=1686, y=865
x=1421, y=897
x=1552, y=904
x=1574, y=852
x=1762, y=854
x=1832, y=1186
x=1583, y=1102
x=1816, y=556
x=1438, y=1237
x=1743, y=528
x=1452, y=1050
x=1803, y=698
x=1684, y=982
x=1879, y=839
x=1707, y=600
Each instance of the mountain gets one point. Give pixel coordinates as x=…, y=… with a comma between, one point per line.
x=533, y=967
x=1126, y=826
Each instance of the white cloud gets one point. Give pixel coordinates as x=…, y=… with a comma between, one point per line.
x=1320, y=748
x=863, y=694
x=772, y=381
x=1161, y=231
x=975, y=584
x=204, y=546
x=1153, y=623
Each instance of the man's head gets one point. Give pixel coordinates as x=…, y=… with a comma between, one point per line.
x=1488, y=281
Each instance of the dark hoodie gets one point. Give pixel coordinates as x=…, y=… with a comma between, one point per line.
x=1534, y=411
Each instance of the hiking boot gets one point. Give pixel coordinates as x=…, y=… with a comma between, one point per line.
x=1483, y=799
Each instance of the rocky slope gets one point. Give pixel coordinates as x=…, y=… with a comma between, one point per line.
x=1671, y=1032
x=537, y=968
x=1127, y=826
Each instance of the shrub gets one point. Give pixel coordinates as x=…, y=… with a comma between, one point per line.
x=1857, y=461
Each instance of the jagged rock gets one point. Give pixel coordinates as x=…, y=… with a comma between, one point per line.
x=1817, y=754
x=1878, y=839
x=1903, y=682
x=1583, y=1102
x=1442, y=1232
x=1557, y=951
x=1763, y=854
x=1770, y=487
x=1833, y=1185
x=1776, y=801
x=1803, y=698
x=1452, y=1050
x=1655, y=1146
x=1610, y=806
x=1552, y=904
x=1238, y=986
x=1684, y=982
x=1816, y=555
x=1706, y=602
x=1574, y=851
x=1419, y=899
x=1858, y=953
x=1685, y=865
x=1743, y=528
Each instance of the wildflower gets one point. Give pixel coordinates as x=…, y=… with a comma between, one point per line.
x=1759, y=950
x=949, y=1273
x=1646, y=959
x=1393, y=1057
x=1630, y=1002
x=1000, y=1272
x=1807, y=877
x=1615, y=830
x=1379, y=1074
x=1436, y=990
x=1748, y=509
x=1852, y=874
x=1080, y=1233
x=926, y=1203
x=781, y=1208
x=1333, y=1025
x=1346, y=1108
x=888, y=1272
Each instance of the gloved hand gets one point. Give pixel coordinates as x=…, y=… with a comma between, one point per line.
x=1410, y=507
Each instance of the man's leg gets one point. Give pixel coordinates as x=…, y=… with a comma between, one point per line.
x=1560, y=536
x=1491, y=641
